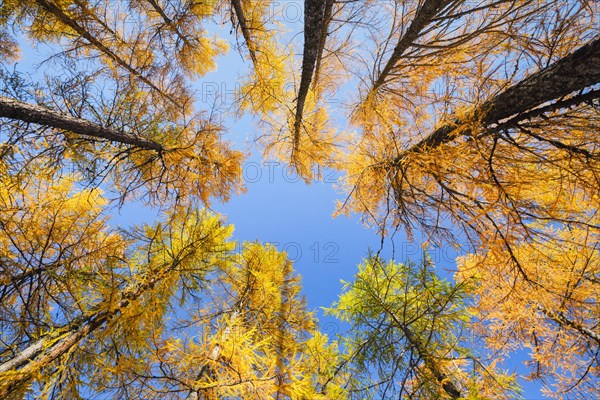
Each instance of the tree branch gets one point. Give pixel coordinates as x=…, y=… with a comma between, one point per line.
x=563, y=321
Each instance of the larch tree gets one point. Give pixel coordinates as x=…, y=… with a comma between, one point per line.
x=68, y=278
x=553, y=312
x=409, y=336
x=262, y=88
x=123, y=110
x=468, y=121
x=296, y=127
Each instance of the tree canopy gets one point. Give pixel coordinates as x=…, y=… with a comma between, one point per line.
x=471, y=122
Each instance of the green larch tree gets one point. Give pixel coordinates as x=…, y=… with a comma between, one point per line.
x=409, y=336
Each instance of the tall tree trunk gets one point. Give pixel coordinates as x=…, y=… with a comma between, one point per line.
x=21, y=368
x=422, y=352
x=241, y=17
x=314, y=13
x=572, y=73
x=15, y=109
x=322, y=40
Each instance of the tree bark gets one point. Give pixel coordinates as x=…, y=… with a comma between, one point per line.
x=15, y=109
x=314, y=13
x=572, y=73
x=322, y=40
x=241, y=17
x=40, y=354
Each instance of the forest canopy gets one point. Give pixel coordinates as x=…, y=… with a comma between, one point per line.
x=462, y=122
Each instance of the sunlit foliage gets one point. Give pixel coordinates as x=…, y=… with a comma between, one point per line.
x=460, y=121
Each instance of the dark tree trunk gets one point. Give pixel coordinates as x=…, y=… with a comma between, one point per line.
x=15, y=109
x=314, y=15
x=574, y=72
x=241, y=17
x=322, y=40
